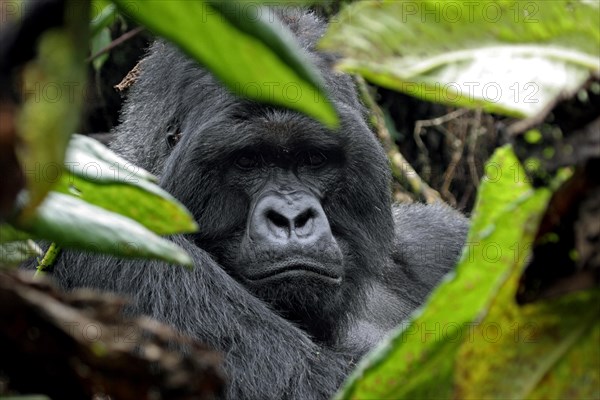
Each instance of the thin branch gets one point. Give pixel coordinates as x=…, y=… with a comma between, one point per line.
x=425, y=123
x=118, y=41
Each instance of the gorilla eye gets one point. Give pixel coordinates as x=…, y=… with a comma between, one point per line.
x=313, y=159
x=248, y=161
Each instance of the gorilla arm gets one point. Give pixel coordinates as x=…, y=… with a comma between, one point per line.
x=266, y=356
x=428, y=243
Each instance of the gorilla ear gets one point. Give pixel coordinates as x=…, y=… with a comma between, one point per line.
x=173, y=135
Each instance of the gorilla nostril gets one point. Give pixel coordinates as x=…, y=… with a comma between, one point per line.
x=303, y=218
x=277, y=219
x=288, y=220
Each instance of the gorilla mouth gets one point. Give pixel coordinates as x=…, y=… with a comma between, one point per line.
x=297, y=269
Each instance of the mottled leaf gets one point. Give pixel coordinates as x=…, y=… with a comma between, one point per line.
x=510, y=57
x=547, y=349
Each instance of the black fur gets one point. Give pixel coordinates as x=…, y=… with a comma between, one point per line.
x=300, y=346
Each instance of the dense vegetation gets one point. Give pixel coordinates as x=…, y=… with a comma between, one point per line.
x=448, y=85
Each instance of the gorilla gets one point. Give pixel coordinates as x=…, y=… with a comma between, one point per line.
x=302, y=263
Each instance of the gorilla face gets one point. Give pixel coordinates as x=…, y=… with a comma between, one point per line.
x=286, y=253
x=287, y=234
x=285, y=205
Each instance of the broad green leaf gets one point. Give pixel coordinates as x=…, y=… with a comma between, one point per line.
x=82, y=146
x=245, y=48
x=100, y=177
x=510, y=57
x=52, y=85
x=73, y=223
x=418, y=360
x=143, y=202
x=14, y=253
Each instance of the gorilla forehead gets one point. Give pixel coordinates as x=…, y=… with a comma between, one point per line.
x=267, y=129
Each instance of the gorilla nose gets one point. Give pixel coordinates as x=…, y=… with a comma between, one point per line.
x=284, y=218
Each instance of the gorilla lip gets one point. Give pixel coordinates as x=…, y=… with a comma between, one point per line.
x=298, y=269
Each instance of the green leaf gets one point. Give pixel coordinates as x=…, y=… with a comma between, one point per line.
x=72, y=223
x=510, y=57
x=143, y=202
x=542, y=350
x=418, y=360
x=14, y=253
x=9, y=233
x=52, y=84
x=252, y=54
x=576, y=373
x=100, y=177
x=103, y=14
x=83, y=146
x=99, y=42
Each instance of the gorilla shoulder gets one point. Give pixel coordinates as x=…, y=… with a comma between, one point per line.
x=427, y=243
